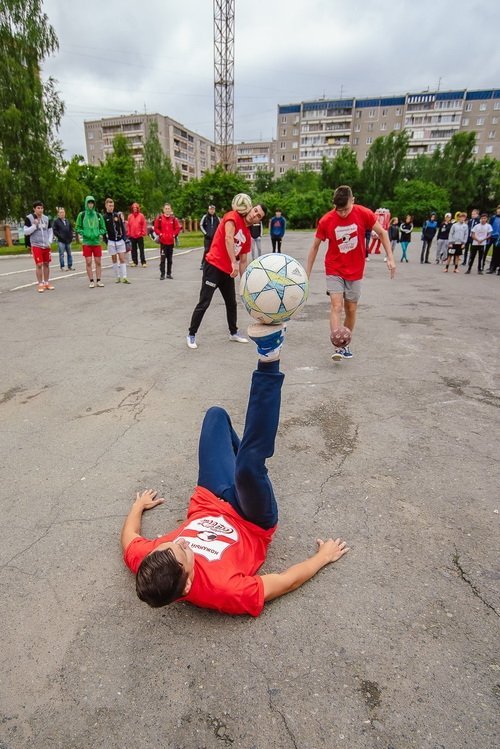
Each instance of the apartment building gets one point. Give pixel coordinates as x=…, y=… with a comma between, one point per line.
x=192, y=154
x=311, y=130
x=250, y=157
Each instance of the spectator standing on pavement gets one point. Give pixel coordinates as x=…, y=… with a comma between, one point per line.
x=208, y=226
x=429, y=230
x=405, y=230
x=115, y=239
x=90, y=226
x=37, y=229
x=480, y=234
x=459, y=231
x=63, y=232
x=494, y=242
x=227, y=257
x=256, y=231
x=137, y=228
x=394, y=233
x=442, y=237
x=167, y=227
x=471, y=223
x=277, y=227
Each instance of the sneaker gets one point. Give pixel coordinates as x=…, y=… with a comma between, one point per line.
x=169, y=275
x=41, y=288
x=118, y=280
x=468, y=271
x=133, y=265
x=91, y=285
x=144, y=265
x=342, y=353
x=238, y=337
x=125, y=280
x=162, y=278
x=191, y=341
x=269, y=339
x=48, y=286
x=100, y=283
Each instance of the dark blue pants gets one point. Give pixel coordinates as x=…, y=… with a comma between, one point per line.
x=236, y=470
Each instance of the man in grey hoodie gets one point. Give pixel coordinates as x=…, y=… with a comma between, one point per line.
x=37, y=228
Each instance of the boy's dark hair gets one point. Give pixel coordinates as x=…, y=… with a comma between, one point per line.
x=264, y=207
x=37, y=203
x=342, y=196
x=161, y=578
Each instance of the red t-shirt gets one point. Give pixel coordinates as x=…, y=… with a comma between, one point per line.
x=345, y=256
x=217, y=255
x=228, y=552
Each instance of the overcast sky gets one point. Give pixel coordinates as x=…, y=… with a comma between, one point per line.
x=157, y=56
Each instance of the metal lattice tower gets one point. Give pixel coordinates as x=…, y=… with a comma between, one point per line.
x=224, y=81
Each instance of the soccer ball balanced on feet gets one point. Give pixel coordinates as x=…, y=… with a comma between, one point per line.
x=242, y=203
x=274, y=287
x=341, y=337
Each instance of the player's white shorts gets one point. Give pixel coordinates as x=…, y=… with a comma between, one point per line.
x=115, y=247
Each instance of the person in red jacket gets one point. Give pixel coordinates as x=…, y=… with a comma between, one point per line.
x=136, y=231
x=167, y=227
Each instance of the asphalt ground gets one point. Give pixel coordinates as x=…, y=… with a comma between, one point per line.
x=395, y=646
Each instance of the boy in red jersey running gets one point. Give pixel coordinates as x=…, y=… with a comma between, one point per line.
x=228, y=256
x=212, y=558
x=344, y=227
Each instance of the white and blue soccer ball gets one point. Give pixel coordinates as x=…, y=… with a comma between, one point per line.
x=274, y=287
x=242, y=203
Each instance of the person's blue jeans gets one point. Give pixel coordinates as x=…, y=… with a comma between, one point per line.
x=65, y=247
x=236, y=470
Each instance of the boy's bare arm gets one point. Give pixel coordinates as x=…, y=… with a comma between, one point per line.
x=132, y=526
x=277, y=585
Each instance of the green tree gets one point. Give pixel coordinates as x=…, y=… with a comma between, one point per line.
x=457, y=170
x=383, y=167
x=264, y=181
x=342, y=170
x=75, y=181
x=158, y=182
x=117, y=177
x=30, y=108
x=418, y=199
x=486, y=184
x=218, y=187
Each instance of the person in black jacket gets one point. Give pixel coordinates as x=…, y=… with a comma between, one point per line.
x=115, y=239
x=208, y=225
x=63, y=232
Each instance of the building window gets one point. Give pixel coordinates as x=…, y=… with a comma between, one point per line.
x=295, y=144
x=482, y=107
x=496, y=105
x=283, y=120
x=357, y=128
x=491, y=134
x=397, y=126
x=371, y=113
x=383, y=126
x=282, y=145
x=370, y=127
x=358, y=114
x=369, y=141
x=295, y=131
x=468, y=107
x=282, y=169
x=494, y=120
x=398, y=111
x=488, y=149
x=282, y=157
x=480, y=121
x=465, y=121
x=283, y=131
x=294, y=157
x=475, y=150
x=355, y=141
x=384, y=113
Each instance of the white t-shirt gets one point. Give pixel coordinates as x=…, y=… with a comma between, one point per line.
x=481, y=232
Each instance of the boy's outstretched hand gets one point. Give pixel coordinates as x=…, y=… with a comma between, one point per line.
x=332, y=550
x=148, y=499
